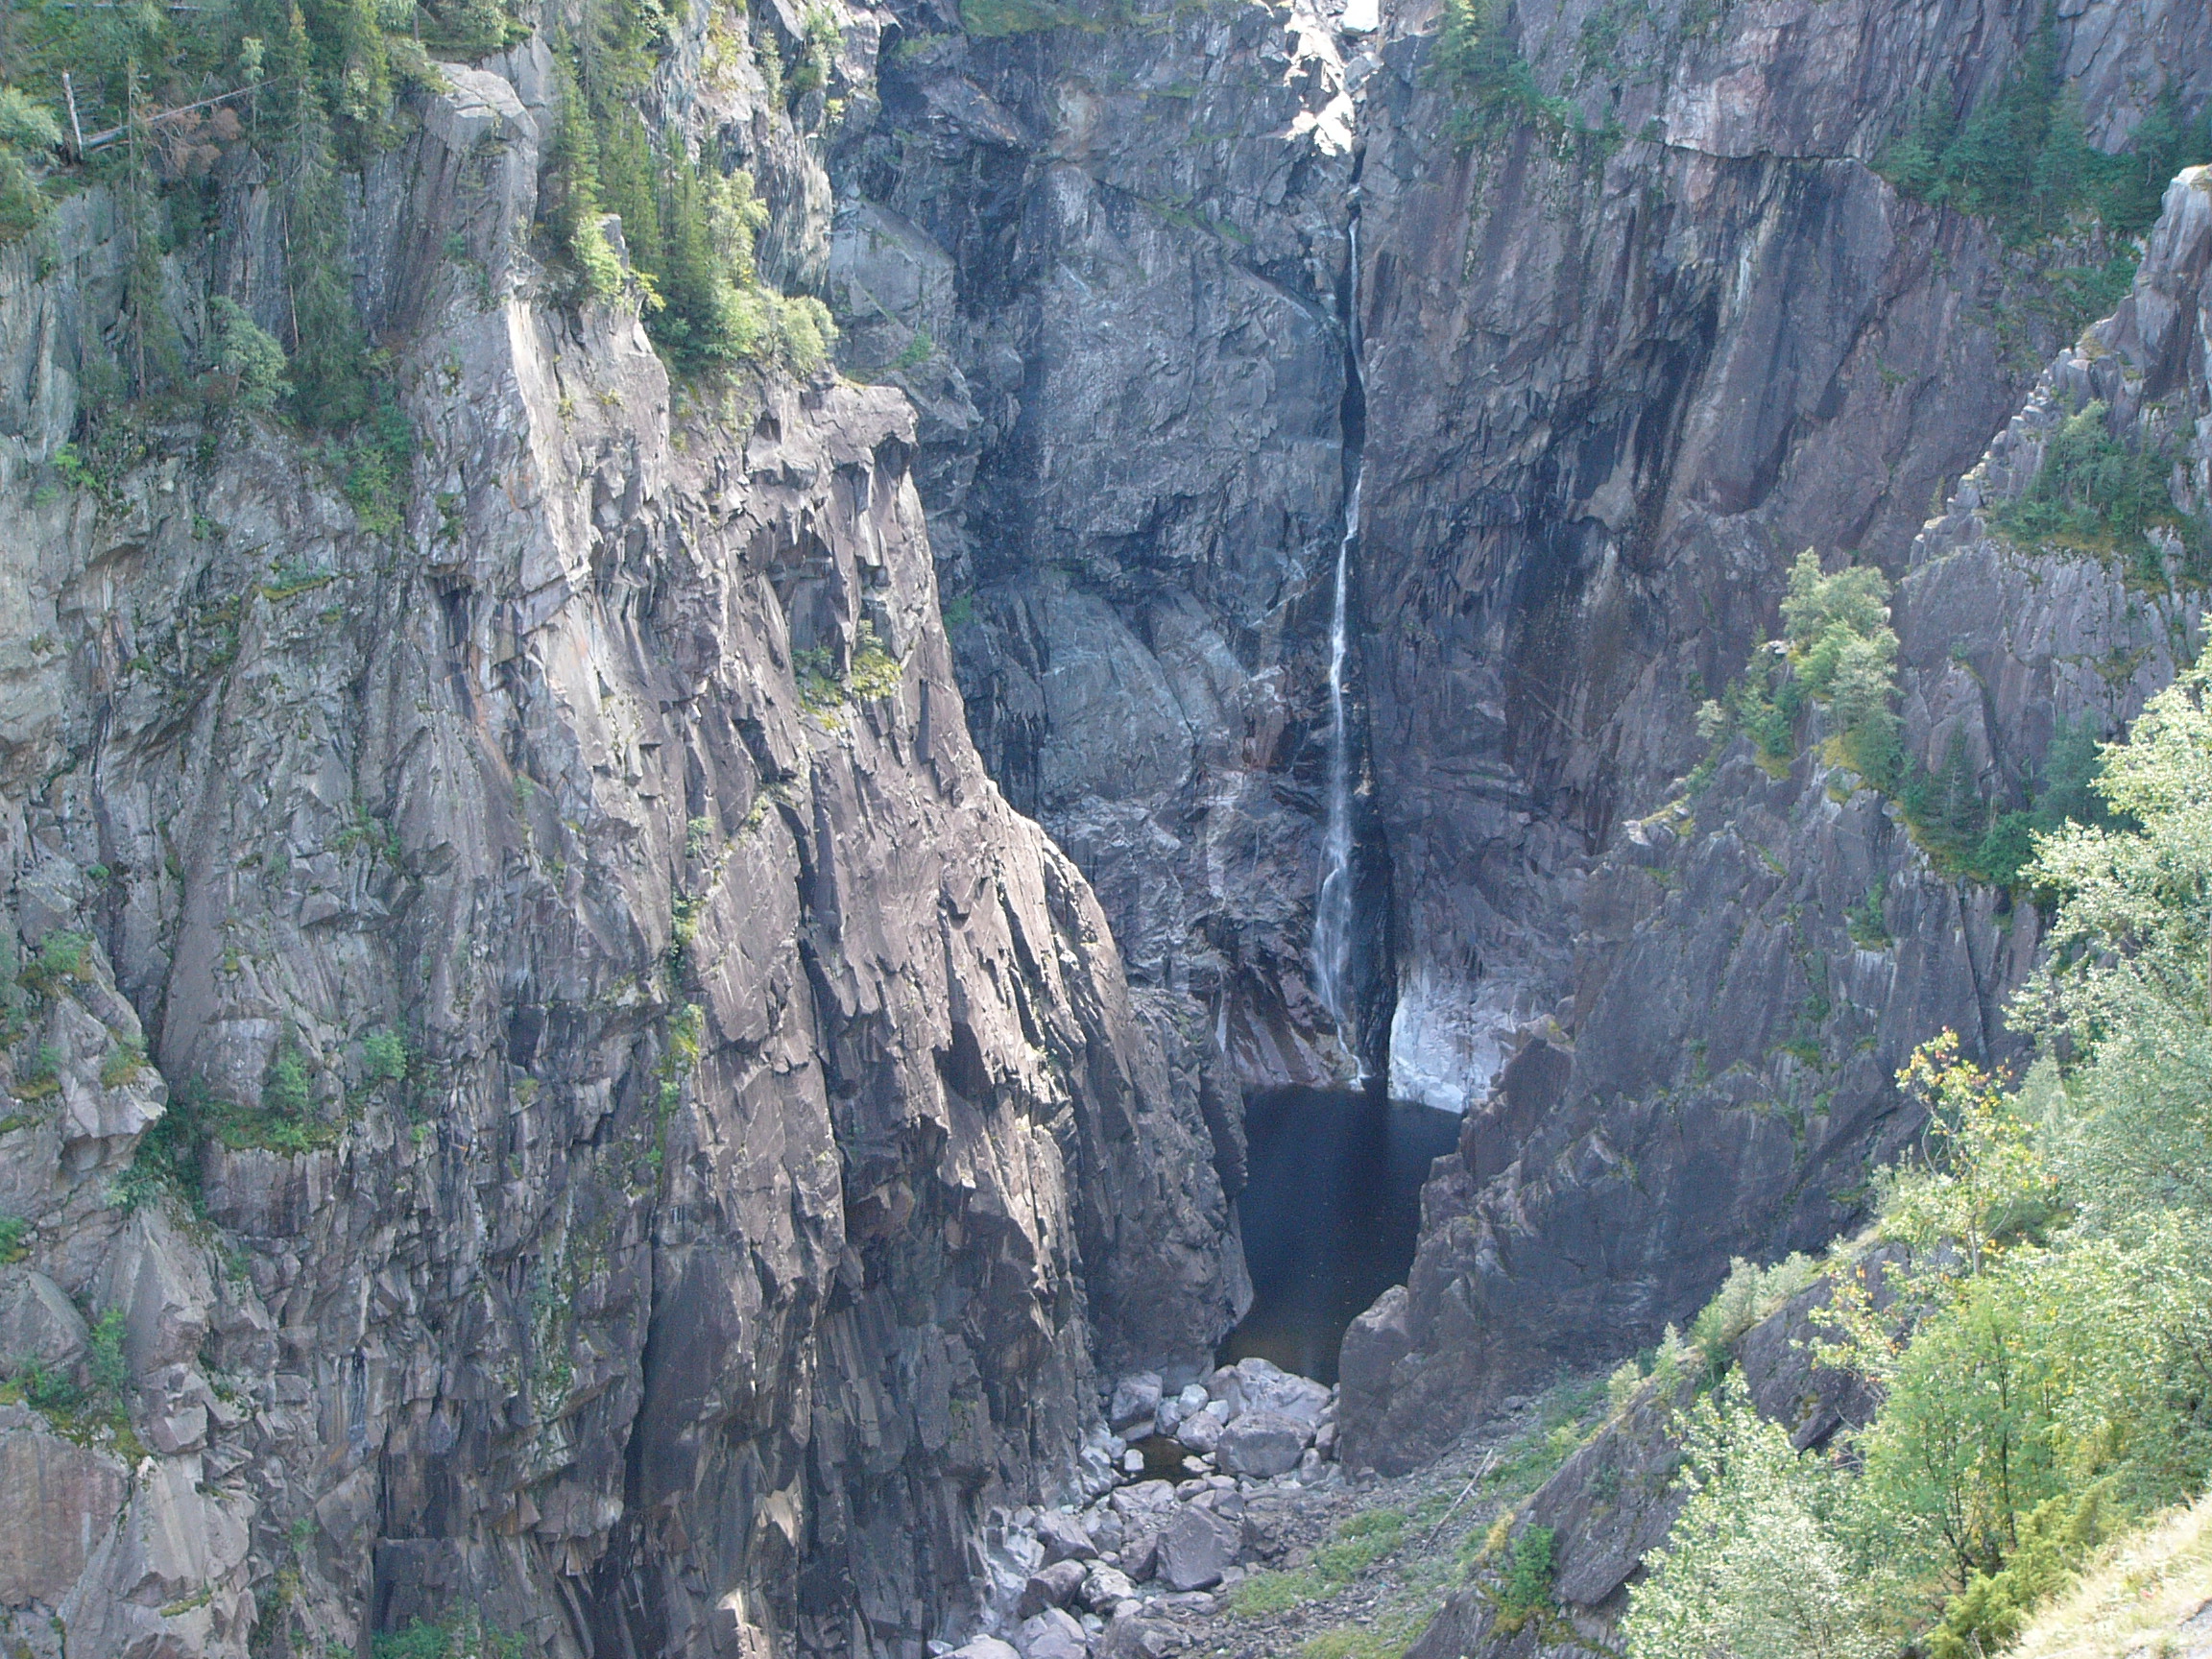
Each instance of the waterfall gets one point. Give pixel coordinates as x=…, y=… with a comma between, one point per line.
x=1333, y=904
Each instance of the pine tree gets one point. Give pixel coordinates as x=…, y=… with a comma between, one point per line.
x=155, y=354
x=576, y=186
x=330, y=388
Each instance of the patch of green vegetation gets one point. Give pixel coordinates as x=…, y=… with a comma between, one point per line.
x=123, y=1063
x=1964, y=834
x=688, y=229
x=249, y=364
x=996, y=19
x=384, y=1058
x=1382, y=1640
x=1748, y=1295
x=1493, y=89
x=1865, y=922
x=1358, y=1544
x=14, y=1239
x=2021, y=159
x=64, y=959
x=292, y=576
x=39, y=1076
x=1260, y=1594
x=2054, y=1234
x=2098, y=494
x=876, y=672
x=917, y=352
x=1478, y=64
x=1525, y=1590
x=462, y=1634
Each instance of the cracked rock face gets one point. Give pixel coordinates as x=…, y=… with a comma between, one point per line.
x=1723, y=1079
x=774, y=1147
x=1109, y=266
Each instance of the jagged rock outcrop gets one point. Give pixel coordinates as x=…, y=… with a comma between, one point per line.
x=659, y=1144
x=1616, y=1497
x=1761, y=954
x=1617, y=385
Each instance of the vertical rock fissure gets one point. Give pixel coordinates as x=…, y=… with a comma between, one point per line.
x=1334, y=902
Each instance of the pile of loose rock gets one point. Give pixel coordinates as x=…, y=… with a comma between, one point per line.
x=1114, y=1578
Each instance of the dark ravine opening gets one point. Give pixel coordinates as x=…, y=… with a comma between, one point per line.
x=1330, y=1213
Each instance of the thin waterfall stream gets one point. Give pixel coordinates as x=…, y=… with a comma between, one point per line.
x=1333, y=921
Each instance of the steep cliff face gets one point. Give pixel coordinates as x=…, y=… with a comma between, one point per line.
x=1618, y=383
x=1661, y=327
x=1761, y=955
x=659, y=1144
x=1109, y=262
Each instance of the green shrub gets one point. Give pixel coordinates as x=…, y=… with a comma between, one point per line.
x=64, y=958
x=1748, y=1295
x=2098, y=494
x=876, y=672
x=1865, y=921
x=1992, y=1610
x=384, y=1058
x=1527, y=1587
x=1476, y=62
x=249, y=357
x=28, y=135
x=123, y=1063
x=817, y=54
x=2021, y=158
x=106, y=1364
x=40, y=1077
x=14, y=1239
x=461, y=1634
x=287, y=1090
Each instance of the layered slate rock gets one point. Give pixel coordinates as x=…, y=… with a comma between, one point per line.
x=773, y=1148
x=1723, y=1078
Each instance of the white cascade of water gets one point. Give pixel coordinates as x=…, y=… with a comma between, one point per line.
x=1332, y=917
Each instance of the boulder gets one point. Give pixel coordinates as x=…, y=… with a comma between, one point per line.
x=1136, y=1637
x=1134, y=1403
x=1196, y=1547
x=1142, y=1496
x=37, y=1323
x=1051, y=1635
x=1063, y=1537
x=1054, y=1586
x=1256, y=1385
x=1262, y=1444
x=1141, y=1556
x=1105, y=1588
x=1201, y=1432
x=985, y=1647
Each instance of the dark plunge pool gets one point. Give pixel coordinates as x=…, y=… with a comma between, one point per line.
x=1330, y=1213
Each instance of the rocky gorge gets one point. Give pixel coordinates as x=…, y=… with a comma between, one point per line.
x=635, y=1044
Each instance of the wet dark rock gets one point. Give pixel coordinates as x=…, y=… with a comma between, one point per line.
x=1135, y=1399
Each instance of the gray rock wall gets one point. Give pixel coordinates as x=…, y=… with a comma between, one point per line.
x=1721, y=1081
x=1109, y=263
x=779, y=1148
